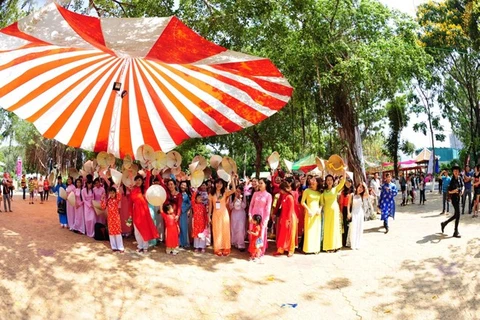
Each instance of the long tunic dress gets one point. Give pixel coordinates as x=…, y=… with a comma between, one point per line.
x=141, y=215
x=113, y=216
x=79, y=212
x=220, y=224
x=312, y=225
x=126, y=208
x=261, y=204
x=97, y=196
x=171, y=231
x=332, y=239
x=184, y=239
x=356, y=226
x=387, y=200
x=238, y=221
x=70, y=209
x=199, y=221
x=61, y=217
x=89, y=212
x=287, y=227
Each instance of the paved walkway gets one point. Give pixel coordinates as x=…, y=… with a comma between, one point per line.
x=411, y=273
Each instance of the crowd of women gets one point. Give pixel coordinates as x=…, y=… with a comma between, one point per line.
x=301, y=212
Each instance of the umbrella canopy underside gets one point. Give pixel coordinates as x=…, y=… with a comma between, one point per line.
x=58, y=69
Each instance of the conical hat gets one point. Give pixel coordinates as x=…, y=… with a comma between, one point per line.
x=222, y=174
x=97, y=204
x=134, y=169
x=144, y=153
x=174, y=159
x=215, y=161
x=196, y=178
x=192, y=167
x=229, y=165
x=320, y=163
x=100, y=212
x=102, y=159
x=335, y=164
x=207, y=172
x=111, y=159
x=71, y=199
x=288, y=165
x=274, y=160
x=156, y=195
x=116, y=176
x=82, y=173
x=176, y=171
x=127, y=161
x=201, y=162
x=51, y=178
x=62, y=193
x=72, y=172
x=350, y=175
x=88, y=167
x=127, y=178
x=160, y=160
x=142, y=173
x=166, y=173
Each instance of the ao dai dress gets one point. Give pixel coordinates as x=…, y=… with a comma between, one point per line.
x=312, y=225
x=89, y=212
x=79, y=215
x=183, y=220
x=261, y=204
x=356, y=227
x=97, y=196
x=332, y=237
x=220, y=224
x=238, y=221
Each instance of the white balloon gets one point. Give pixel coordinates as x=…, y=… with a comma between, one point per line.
x=156, y=195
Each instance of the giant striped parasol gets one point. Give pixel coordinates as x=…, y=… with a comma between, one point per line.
x=114, y=84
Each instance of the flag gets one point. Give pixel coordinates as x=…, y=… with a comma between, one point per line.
x=19, y=167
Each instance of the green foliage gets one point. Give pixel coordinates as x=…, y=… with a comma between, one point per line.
x=397, y=112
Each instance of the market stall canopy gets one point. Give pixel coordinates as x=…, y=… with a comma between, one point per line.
x=424, y=156
x=113, y=84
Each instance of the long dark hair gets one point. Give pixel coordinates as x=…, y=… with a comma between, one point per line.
x=86, y=186
x=187, y=191
x=142, y=187
x=285, y=186
x=268, y=184
x=347, y=190
x=213, y=190
x=325, y=181
x=364, y=189
x=81, y=182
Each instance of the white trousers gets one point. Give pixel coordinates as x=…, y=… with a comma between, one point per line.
x=141, y=243
x=116, y=242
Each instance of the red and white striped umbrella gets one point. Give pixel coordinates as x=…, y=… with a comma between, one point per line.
x=58, y=69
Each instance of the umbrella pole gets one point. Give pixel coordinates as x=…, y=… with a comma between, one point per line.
x=117, y=107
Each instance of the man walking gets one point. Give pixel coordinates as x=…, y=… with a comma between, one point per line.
x=445, y=183
x=455, y=189
x=467, y=193
x=375, y=185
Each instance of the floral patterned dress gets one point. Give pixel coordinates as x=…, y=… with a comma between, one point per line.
x=113, y=214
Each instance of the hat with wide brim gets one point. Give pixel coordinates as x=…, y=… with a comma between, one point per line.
x=274, y=160
x=62, y=193
x=145, y=154
x=159, y=160
x=102, y=159
x=71, y=199
x=176, y=171
x=127, y=178
x=320, y=163
x=110, y=159
x=88, y=167
x=196, y=178
x=229, y=165
x=156, y=195
x=127, y=161
x=215, y=161
x=200, y=163
x=174, y=159
x=97, y=206
x=116, y=176
x=51, y=178
x=335, y=165
x=72, y=172
x=222, y=174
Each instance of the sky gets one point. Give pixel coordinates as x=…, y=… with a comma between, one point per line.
x=418, y=139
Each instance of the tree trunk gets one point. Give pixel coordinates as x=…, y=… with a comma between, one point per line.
x=258, y=143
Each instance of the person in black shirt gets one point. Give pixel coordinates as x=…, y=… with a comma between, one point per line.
x=455, y=190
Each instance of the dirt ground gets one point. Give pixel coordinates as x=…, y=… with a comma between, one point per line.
x=413, y=272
